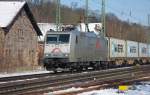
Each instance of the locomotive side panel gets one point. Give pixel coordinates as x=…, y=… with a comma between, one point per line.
x=89, y=47
x=82, y=53
x=101, y=46
x=73, y=46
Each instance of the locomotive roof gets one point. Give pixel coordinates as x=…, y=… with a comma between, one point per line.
x=89, y=34
x=59, y=32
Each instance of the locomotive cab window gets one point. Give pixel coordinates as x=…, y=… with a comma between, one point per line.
x=51, y=39
x=57, y=38
x=63, y=38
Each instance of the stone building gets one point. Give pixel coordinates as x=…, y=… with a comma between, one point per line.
x=18, y=36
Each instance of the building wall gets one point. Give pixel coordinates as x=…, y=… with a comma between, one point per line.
x=20, y=48
x=1, y=46
x=40, y=53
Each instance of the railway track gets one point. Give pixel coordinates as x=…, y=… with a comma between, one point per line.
x=31, y=76
x=56, y=83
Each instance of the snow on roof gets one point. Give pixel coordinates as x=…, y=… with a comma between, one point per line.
x=8, y=11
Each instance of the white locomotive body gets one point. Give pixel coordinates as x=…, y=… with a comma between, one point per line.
x=71, y=48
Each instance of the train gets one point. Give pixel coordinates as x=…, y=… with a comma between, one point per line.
x=76, y=50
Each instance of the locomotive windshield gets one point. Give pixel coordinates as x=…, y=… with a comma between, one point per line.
x=57, y=38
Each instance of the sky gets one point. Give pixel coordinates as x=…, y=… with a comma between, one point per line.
x=135, y=11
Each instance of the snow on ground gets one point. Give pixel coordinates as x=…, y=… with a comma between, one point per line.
x=24, y=73
x=142, y=89
x=63, y=91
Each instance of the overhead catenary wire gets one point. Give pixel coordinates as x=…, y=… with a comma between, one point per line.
x=129, y=15
x=125, y=14
x=86, y=14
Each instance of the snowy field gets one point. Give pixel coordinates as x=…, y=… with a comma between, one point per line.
x=142, y=89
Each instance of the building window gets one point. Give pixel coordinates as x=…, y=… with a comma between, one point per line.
x=20, y=35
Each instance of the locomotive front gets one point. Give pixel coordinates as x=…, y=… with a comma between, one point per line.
x=56, y=49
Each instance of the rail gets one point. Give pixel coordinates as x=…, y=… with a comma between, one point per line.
x=56, y=83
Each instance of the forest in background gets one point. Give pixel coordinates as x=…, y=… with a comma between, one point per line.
x=44, y=11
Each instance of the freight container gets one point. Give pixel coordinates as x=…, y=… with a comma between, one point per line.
x=132, y=49
x=143, y=50
x=148, y=50
x=117, y=48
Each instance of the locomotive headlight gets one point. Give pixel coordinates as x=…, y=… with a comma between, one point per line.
x=66, y=55
x=46, y=55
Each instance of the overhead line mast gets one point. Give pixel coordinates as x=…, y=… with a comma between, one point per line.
x=103, y=18
x=58, y=17
x=86, y=15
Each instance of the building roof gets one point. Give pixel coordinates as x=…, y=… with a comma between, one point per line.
x=9, y=11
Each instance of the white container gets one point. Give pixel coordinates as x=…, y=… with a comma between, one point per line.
x=132, y=49
x=117, y=48
x=148, y=50
x=143, y=50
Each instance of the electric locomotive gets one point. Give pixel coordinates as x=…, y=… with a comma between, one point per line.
x=74, y=50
